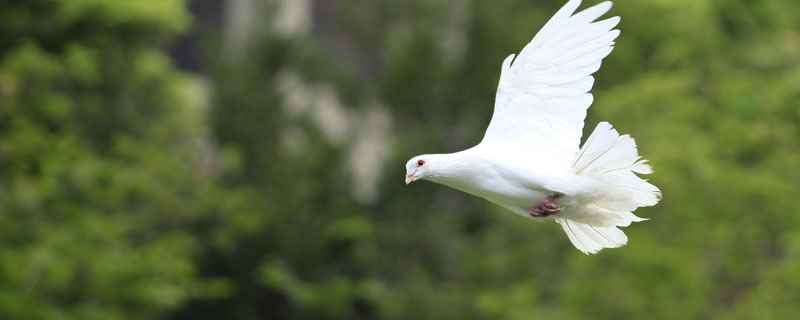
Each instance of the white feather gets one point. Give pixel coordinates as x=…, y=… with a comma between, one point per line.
x=542, y=96
x=611, y=159
x=531, y=149
x=591, y=239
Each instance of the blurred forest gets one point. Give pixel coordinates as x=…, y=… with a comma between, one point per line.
x=267, y=183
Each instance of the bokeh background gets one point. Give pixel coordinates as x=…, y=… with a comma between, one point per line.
x=243, y=159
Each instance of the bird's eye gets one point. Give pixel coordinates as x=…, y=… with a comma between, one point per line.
x=420, y=163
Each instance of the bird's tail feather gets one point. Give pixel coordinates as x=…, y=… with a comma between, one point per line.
x=591, y=239
x=613, y=161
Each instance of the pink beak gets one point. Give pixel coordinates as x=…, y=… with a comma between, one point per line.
x=410, y=177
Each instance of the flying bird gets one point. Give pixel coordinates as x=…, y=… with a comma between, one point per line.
x=530, y=160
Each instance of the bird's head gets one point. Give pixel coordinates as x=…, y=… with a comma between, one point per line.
x=418, y=168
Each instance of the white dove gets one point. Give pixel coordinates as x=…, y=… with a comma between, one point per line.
x=529, y=160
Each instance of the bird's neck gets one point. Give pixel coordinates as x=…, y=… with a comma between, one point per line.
x=457, y=170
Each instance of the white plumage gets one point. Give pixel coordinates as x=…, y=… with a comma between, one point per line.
x=531, y=149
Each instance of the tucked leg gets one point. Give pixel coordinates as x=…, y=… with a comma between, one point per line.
x=548, y=207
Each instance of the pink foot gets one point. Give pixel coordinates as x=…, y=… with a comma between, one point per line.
x=548, y=207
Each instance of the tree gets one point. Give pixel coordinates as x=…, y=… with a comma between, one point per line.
x=104, y=159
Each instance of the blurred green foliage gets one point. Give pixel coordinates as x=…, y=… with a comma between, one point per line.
x=129, y=189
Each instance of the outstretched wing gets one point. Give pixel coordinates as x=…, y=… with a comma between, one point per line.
x=544, y=93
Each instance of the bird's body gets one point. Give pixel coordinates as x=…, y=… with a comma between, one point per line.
x=530, y=160
x=501, y=182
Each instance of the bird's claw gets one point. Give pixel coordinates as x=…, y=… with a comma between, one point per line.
x=549, y=207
